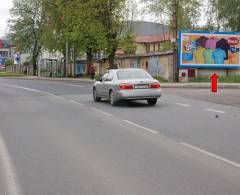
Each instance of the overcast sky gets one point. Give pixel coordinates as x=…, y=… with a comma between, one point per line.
x=4, y=15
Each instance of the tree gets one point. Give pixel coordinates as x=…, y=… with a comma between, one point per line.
x=73, y=22
x=225, y=13
x=26, y=27
x=187, y=12
x=111, y=15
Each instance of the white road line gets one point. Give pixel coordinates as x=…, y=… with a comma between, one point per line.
x=100, y=111
x=59, y=97
x=75, y=102
x=8, y=170
x=66, y=84
x=212, y=155
x=217, y=111
x=27, y=89
x=141, y=127
x=184, y=105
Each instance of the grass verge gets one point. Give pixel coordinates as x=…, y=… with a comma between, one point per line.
x=11, y=74
x=229, y=79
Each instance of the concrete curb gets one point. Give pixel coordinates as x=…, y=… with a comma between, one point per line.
x=52, y=79
x=200, y=85
x=163, y=85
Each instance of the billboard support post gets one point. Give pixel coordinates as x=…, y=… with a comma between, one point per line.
x=174, y=42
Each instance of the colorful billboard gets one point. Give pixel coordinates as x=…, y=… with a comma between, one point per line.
x=209, y=50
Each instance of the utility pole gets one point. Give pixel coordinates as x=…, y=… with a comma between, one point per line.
x=174, y=41
x=66, y=65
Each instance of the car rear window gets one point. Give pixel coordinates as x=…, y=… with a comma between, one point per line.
x=132, y=74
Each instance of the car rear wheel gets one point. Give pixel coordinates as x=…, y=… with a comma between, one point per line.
x=112, y=101
x=152, y=102
x=95, y=97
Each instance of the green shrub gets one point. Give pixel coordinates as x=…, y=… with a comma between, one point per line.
x=161, y=79
x=9, y=62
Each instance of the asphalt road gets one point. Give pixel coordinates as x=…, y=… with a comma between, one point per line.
x=54, y=140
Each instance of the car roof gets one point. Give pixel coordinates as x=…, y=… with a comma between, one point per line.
x=116, y=70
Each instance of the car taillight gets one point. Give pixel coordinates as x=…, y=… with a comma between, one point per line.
x=125, y=86
x=155, y=85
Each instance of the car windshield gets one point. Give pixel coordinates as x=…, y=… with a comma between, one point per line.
x=132, y=74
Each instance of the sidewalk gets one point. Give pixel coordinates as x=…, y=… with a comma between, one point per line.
x=163, y=85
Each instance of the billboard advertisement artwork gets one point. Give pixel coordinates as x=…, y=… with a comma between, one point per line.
x=209, y=50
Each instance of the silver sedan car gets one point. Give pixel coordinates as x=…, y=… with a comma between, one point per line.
x=127, y=84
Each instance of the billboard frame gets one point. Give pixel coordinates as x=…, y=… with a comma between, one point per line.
x=206, y=66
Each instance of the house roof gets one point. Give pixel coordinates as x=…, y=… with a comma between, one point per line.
x=142, y=28
x=153, y=38
x=170, y=52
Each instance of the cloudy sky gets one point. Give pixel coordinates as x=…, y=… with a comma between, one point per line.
x=4, y=15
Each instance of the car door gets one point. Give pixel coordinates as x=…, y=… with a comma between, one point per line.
x=108, y=84
x=101, y=85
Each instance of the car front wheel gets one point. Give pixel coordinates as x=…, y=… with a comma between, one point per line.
x=95, y=97
x=152, y=102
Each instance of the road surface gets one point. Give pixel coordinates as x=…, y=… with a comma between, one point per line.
x=54, y=140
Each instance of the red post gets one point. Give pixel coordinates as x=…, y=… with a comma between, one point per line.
x=214, y=79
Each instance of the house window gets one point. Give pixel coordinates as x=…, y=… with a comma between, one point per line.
x=148, y=48
x=4, y=54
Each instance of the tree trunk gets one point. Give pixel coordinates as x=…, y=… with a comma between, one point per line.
x=34, y=60
x=112, y=52
x=89, y=60
x=111, y=60
x=35, y=69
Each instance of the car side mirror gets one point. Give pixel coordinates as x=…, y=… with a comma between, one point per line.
x=99, y=79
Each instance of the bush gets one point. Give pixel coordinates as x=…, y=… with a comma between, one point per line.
x=9, y=62
x=27, y=63
x=161, y=79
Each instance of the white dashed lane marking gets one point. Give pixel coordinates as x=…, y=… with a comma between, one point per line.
x=184, y=105
x=216, y=111
x=76, y=102
x=232, y=163
x=141, y=127
x=100, y=111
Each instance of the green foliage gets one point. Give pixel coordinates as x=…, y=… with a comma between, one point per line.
x=161, y=79
x=27, y=63
x=227, y=14
x=188, y=11
x=9, y=62
x=11, y=74
x=26, y=27
x=222, y=79
x=166, y=46
x=127, y=44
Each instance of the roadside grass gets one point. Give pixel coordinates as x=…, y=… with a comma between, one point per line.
x=161, y=79
x=229, y=79
x=11, y=74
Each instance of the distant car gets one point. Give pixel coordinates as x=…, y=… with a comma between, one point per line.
x=127, y=84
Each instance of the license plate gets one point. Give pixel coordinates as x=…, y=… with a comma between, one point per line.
x=141, y=86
